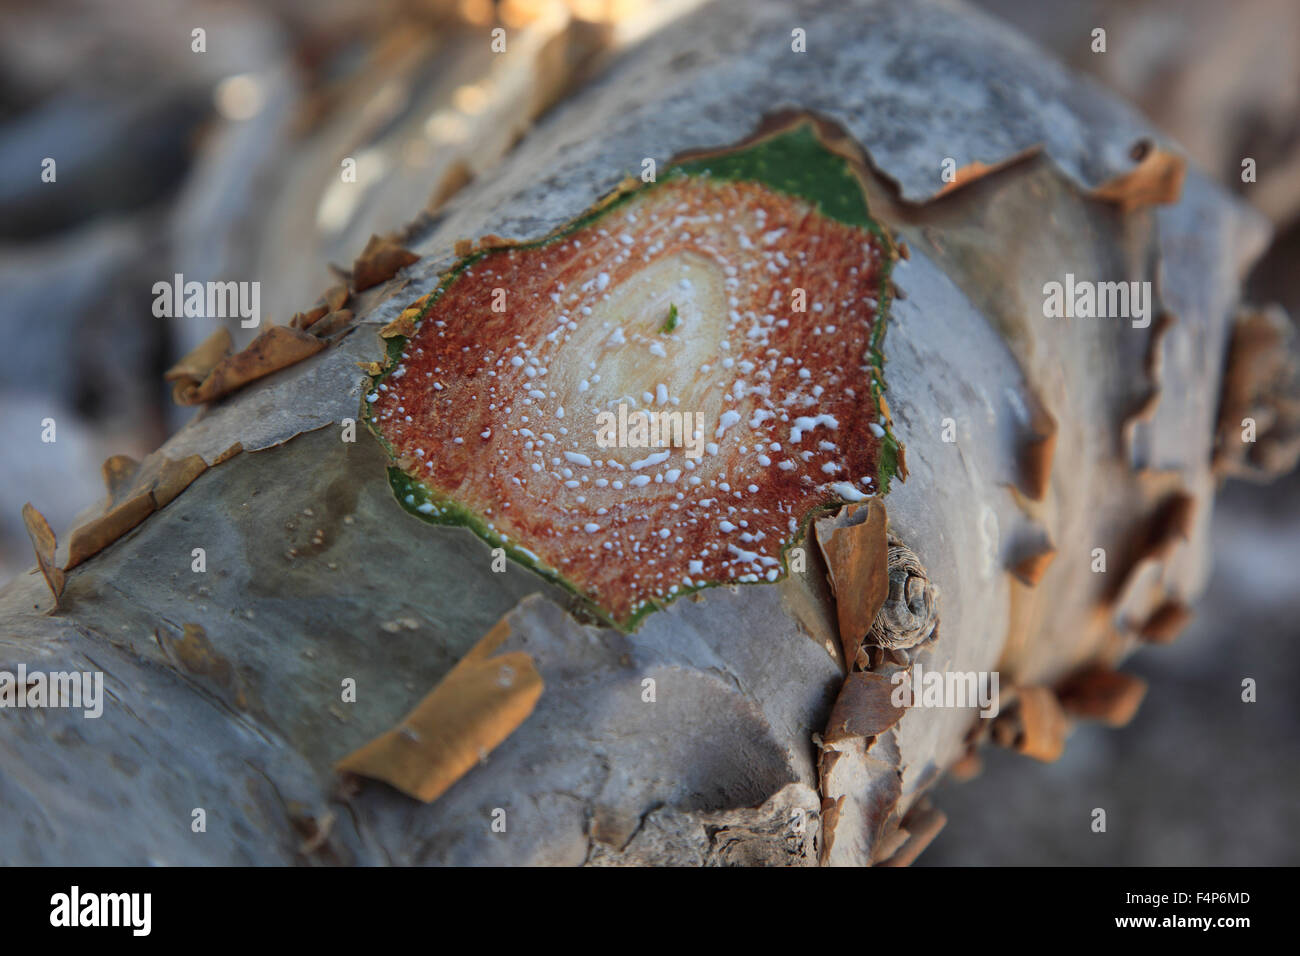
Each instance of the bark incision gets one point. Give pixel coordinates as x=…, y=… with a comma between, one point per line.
x=720, y=328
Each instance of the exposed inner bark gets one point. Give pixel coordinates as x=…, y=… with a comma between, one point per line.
x=655, y=400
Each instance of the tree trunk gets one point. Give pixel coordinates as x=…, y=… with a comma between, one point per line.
x=1058, y=487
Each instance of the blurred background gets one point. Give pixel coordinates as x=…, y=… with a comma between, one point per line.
x=211, y=139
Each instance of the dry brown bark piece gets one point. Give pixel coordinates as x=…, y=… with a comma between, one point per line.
x=275, y=348
x=1102, y=694
x=1156, y=180
x=856, y=549
x=187, y=374
x=134, y=494
x=1170, y=522
x=305, y=320
x=918, y=829
x=974, y=171
x=472, y=710
x=44, y=543
x=228, y=454
x=1030, y=570
x=1166, y=623
x=175, y=477
x=332, y=300
x=831, y=810
x=1035, y=726
x=211, y=371
x=335, y=297
x=200, y=362
x=379, y=262
x=89, y=539
x=332, y=324
x=1036, y=456
x=864, y=707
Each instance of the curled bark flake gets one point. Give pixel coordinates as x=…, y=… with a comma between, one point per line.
x=480, y=703
x=43, y=541
x=1036, y=726
x=1036, y=455
x=1166, y=623
x=276, y=348
x=864, y=708
x=379, y=261
x=855, y=545
x=175, y=477
x=332, y=300
x=199, y=363
x=404, y=324
x=830, y=817
x=210, y=372
x=332, y=324
x=1102, y=694
x=305, y=320
x=1156, y=180
x=228, y=454
x=1030, y=570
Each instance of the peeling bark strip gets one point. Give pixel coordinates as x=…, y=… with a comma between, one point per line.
x=279, y=346
x=134, y=494
x=740, y=301
x=475, y=707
